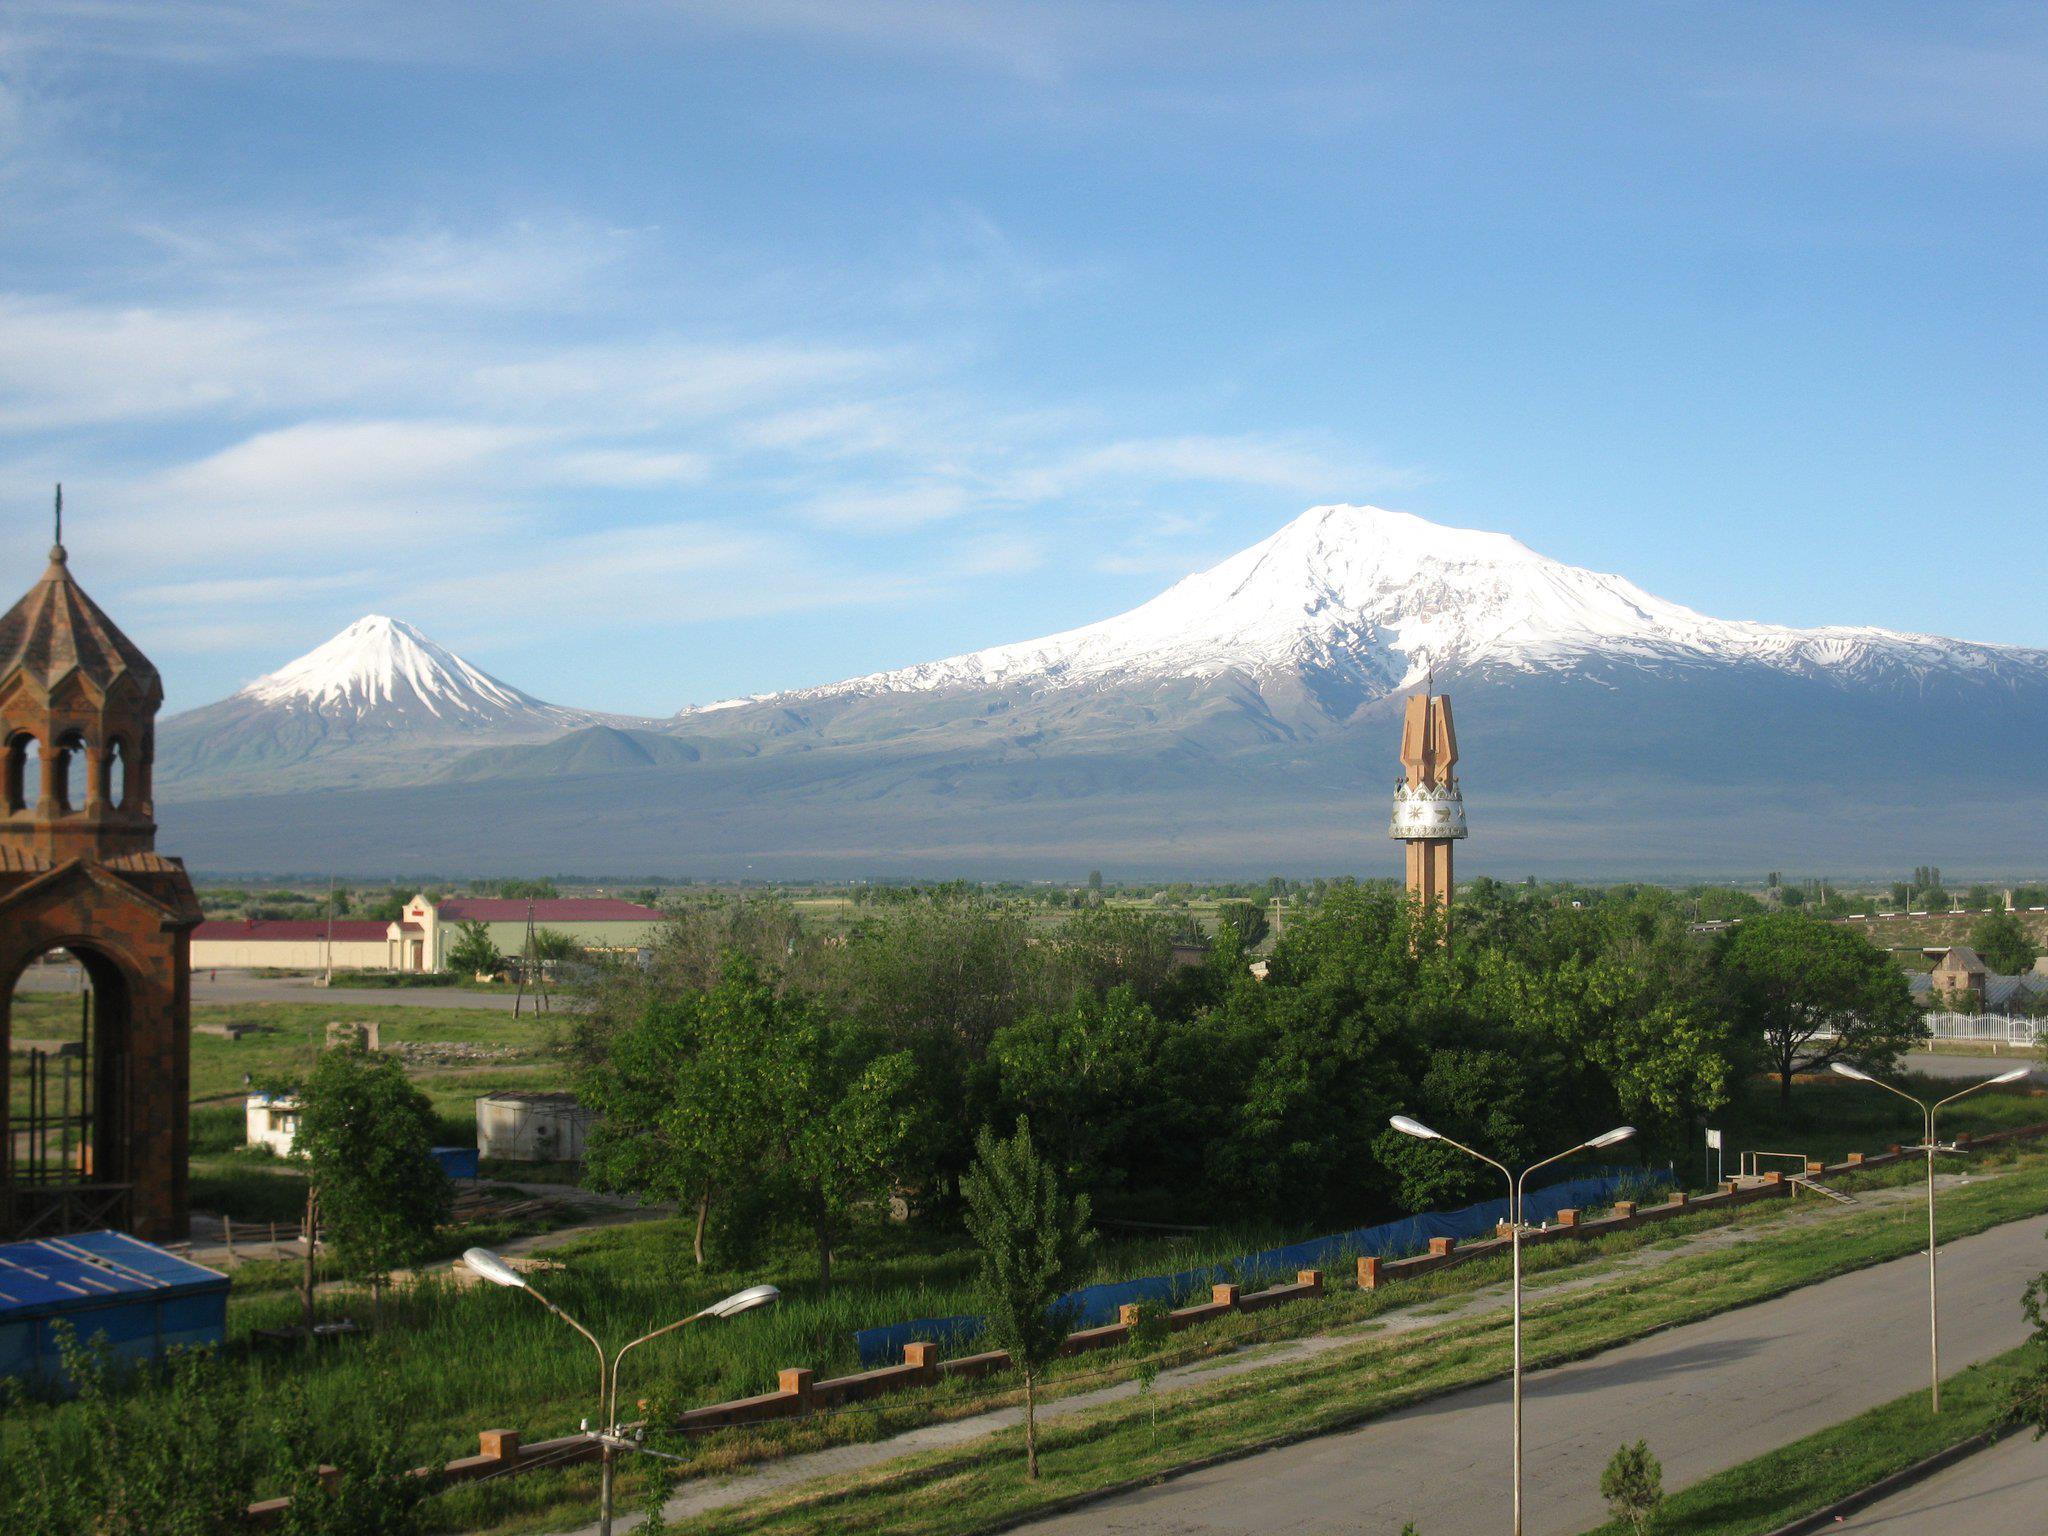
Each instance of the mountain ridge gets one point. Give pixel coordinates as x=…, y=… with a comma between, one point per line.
x=1598, y=723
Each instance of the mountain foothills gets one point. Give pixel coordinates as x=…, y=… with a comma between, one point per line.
x=1241, y=721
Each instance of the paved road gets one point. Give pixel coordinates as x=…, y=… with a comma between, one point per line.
x=1707, y=1396
x=1999, y=1492
x=240, y=987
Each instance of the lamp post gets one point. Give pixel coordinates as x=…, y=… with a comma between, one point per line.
x=1415, y=1128
x=1930, y=1146
x=494, y=1269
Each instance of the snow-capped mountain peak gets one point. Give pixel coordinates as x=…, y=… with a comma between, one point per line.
x=1380, y=598
x=379, y=662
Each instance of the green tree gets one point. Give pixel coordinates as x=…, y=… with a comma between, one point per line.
x=1633, y=1486
x=1811, y=992
x=551, y=946
x=1248, y=918
x=371, y=1492
x=837, y=1113
x=172, y=1462
x=678, y=1096
x=2029, y=1403
x=473, y=951
x=1081, y=1074
x=367, y=1135
x=1035, y=1242
x=2003, y=943
x=1151, y=1327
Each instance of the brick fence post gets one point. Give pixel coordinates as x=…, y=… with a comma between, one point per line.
x=1127, y=1314
x=501, y=1445
x=1223, y=1295
x=1369, y=1272
x=1439, y=1247
x=1567, y=1217
x=1624, y=1209
x=924, y=1357
x=1310, y=1277
x=797, y=1380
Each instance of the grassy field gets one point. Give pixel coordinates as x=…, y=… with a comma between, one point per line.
x=978, y=1486
x=1830, y=1117
x=1761, y=1495
x=810, y=1330
x=625, y=1280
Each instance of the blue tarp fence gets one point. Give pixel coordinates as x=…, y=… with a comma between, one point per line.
x=1094, y=1306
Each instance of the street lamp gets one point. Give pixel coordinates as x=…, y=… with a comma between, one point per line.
x=494, y=1269
x=1930, y=1146
x=1408, y=1126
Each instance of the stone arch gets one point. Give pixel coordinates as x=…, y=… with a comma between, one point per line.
x=24, y=771
x=69, y=771
x=71, y=1115
x=114, y=777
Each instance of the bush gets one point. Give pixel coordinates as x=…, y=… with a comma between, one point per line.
x=1633, y=1486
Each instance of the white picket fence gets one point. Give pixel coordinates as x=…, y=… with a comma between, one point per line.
x=1998, y=1028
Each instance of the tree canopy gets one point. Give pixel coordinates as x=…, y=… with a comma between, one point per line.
x=1812, y=993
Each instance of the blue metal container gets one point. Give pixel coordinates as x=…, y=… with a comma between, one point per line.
x=138, y=1298
x=457, y=1162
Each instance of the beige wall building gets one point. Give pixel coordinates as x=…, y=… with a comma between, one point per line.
x=298, y=944
x=419, y=940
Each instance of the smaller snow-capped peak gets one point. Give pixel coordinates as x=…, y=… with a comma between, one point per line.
x=379, y=661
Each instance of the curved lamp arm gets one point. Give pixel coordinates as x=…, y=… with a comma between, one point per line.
x=611, y=1410
x=1857, y=1074
x=602, y=1379
x=1619, y=1134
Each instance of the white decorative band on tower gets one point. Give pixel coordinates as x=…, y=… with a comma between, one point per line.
x=1428, y=812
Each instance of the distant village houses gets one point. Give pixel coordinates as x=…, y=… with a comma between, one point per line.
x=1960, y=980
x=420, y=938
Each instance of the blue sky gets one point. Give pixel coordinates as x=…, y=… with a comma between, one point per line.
x=649, y=352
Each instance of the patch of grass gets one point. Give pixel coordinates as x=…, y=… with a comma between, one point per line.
x=1797, y=1479
x=243, y=1191
x=1829, y=1118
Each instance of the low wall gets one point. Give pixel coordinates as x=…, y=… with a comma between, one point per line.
x=501, y=1451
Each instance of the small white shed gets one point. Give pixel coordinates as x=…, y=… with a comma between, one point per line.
x=273, y=1121
x=532, y=1127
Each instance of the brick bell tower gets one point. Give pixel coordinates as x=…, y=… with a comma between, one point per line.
x=94, y=1117
x=1429, y=811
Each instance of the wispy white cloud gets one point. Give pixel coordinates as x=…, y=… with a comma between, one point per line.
x=1276, y=463
x=888, y=510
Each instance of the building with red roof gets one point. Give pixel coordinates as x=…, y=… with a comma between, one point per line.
x=420, y=940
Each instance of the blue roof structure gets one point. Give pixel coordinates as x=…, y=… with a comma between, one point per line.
x=140, y=1299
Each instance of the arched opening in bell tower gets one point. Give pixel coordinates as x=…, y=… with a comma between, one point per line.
x=66, y=1029
x=24, y=771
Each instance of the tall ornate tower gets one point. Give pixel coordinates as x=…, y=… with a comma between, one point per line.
x=94, y=1119
x=1429, y=813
